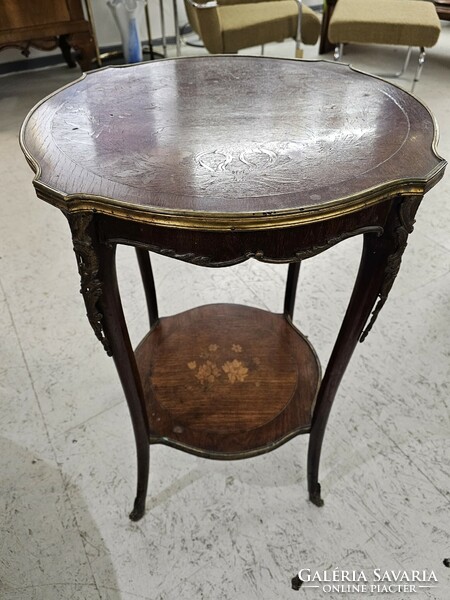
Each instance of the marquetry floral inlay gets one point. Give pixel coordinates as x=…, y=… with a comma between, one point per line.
x=215, y=362
x=235, y=370
x=208, y=372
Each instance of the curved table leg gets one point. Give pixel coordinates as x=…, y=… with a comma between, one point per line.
x=291, y=288
x=145, y=266
x=380, y=263
x=97, y=268
x=117, y=334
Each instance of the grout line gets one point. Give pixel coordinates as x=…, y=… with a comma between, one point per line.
x=58, y=467
x=102, y=412
x=400, y=297
x=410, y=460
x=441, y=246
x=256, y=295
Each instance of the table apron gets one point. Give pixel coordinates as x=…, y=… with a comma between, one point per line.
x=220, y=249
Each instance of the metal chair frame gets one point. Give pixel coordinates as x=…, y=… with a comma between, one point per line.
x=339, y=50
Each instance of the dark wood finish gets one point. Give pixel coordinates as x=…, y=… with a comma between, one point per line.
x=145, y=266
x=325, y=45
x=98, y=268
x=442, y=9
x=246, y=162
x=46, y=25
x=174, y=163
x=212, y=388
x=291, y=289
x=380, y=262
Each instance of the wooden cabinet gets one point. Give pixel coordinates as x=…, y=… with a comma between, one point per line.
x=47, y=24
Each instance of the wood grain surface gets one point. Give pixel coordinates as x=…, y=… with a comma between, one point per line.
x=47, y=24
x=227, y=379
x=228, y=135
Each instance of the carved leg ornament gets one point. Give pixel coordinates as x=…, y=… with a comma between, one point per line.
x=404, y=225
x=88, y=267
x=380, y=263
x=96, y=264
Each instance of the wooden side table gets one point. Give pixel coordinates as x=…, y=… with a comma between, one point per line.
x=215, y=160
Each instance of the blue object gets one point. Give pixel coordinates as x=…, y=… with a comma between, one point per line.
x=125, y=13
x=134, y=44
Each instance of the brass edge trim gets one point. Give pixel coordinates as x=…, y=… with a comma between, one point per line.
x=241, y=454
x=321, y=60
x=30, y=159
x=35, y=166
x=166, y=441
x=373, y=76
x=229, y=221
x=234, y=56
x=436, y=134
x=234, y=221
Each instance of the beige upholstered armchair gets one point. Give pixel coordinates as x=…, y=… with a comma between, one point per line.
x=412, y=23
x=226, y=26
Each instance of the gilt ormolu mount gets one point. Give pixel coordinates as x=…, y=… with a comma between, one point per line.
x=197, y=161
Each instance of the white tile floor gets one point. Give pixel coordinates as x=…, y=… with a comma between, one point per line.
x=216, y=530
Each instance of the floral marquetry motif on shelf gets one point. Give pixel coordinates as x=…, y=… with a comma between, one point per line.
x=220, y=365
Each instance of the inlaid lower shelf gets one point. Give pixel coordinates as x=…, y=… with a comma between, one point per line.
x=227, y=381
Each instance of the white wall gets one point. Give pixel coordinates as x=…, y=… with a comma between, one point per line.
x=107, y=32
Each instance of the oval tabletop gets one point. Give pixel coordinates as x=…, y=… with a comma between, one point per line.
x=226, y=141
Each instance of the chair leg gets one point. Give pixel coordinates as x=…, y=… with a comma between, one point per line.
x=262, y=49
x=298, y=35
x=405, y=64
x=177, y=28
x=338, y=52
x=419, y=68
x=402, y=70
x=163, y=28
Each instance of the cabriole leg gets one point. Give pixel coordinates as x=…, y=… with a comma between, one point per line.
x=291, y=288
x=380, y=263
x=148, y=281
x=97, y=268
x=117, y=334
